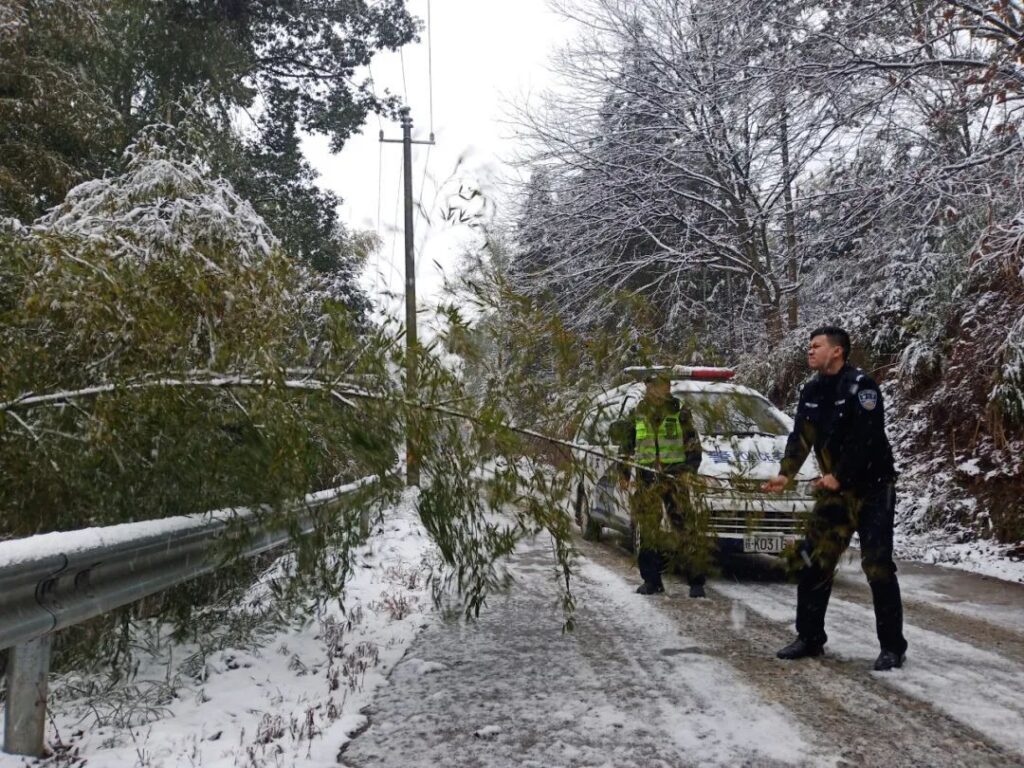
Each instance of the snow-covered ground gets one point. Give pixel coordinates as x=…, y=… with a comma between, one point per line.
x=668, y=681
x=974, y=684
x=924, y=497
x=627, y=688
x=950, y=550
x=294, y=702
x=938, y=520
x=663, y=681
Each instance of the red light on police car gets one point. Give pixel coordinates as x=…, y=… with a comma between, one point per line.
x=703, y=373
x=697, y=373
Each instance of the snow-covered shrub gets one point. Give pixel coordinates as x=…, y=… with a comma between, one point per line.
x=135, y=284
x=160, y=267
x=920, y=364
x=164, y=205
x=778, y=372
x=1008, y=394
x=1001, y=262
x=161, y=271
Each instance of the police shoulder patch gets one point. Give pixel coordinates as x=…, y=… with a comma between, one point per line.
x=868, y=399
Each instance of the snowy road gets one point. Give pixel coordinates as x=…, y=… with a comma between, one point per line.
x=670, y=681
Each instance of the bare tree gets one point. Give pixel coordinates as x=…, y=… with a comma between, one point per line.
x=722, y=162
x=674, y=167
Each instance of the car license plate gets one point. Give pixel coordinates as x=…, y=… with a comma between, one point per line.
x=768, y=545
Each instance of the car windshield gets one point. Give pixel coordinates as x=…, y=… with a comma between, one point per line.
x=594, y=429
x=733, y=414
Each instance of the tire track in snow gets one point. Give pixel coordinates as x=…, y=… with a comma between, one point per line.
x=873, y=719
x=626, y=689
x=944, y=621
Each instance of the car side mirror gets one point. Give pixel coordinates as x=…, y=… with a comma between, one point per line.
x=620, y=432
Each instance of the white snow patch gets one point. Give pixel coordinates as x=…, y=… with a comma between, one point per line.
x=981, y=556
x=295, y=701
x=728, y=717
x=969, y=468
x=488, y=732
x=976, y=687
x=421, y=667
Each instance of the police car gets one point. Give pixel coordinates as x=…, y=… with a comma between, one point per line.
x=743, y=437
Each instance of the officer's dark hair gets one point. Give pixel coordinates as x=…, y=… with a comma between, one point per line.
x=837, y=337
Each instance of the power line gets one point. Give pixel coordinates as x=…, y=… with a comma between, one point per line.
x=380, y=193
x=423, y=178
x=380, y=184
x=380, y=154
x=394, y=231
x=430, y=68
x=405, y=85
x=380, y=181
x=430, y=87
x=419, y=202
x=373, y=88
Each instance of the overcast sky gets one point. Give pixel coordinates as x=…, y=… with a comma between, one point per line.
x=485, y=54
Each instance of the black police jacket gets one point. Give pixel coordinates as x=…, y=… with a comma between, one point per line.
x=842, y=417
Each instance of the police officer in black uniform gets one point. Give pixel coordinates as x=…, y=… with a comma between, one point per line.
x=841, y=417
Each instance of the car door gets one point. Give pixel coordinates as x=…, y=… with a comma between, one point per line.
x=610, y=503
x=598, y=464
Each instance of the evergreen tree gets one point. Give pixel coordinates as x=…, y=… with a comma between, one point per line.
x=80, y=80
x=57, y=125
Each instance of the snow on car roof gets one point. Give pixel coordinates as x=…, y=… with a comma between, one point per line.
x=636, y=389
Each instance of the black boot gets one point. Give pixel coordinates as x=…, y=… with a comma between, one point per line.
x=650, y=588
x=889, y=660
x=697, y=590
x=800, y=649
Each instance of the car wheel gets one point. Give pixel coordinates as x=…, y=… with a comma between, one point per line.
x=591, y=529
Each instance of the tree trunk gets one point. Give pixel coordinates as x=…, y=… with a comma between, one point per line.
x=771, y=303
x=787, y=195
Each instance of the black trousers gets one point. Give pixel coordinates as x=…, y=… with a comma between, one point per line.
x=654, y=490
x=830, y=529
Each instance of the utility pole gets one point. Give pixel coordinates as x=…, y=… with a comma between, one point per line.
x=412, y=466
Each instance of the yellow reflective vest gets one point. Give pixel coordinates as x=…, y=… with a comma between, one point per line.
x=667, y=442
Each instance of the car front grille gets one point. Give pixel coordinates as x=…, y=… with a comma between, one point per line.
x=777, y=523
x=742, y=514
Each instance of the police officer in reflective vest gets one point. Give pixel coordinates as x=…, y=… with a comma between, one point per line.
x=842, y=418
x=664, y=442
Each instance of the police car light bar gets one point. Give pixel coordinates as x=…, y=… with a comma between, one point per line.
x=703, y=374
x=698, y=373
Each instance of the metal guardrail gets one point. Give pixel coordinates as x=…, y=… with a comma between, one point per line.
x=54, y=581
